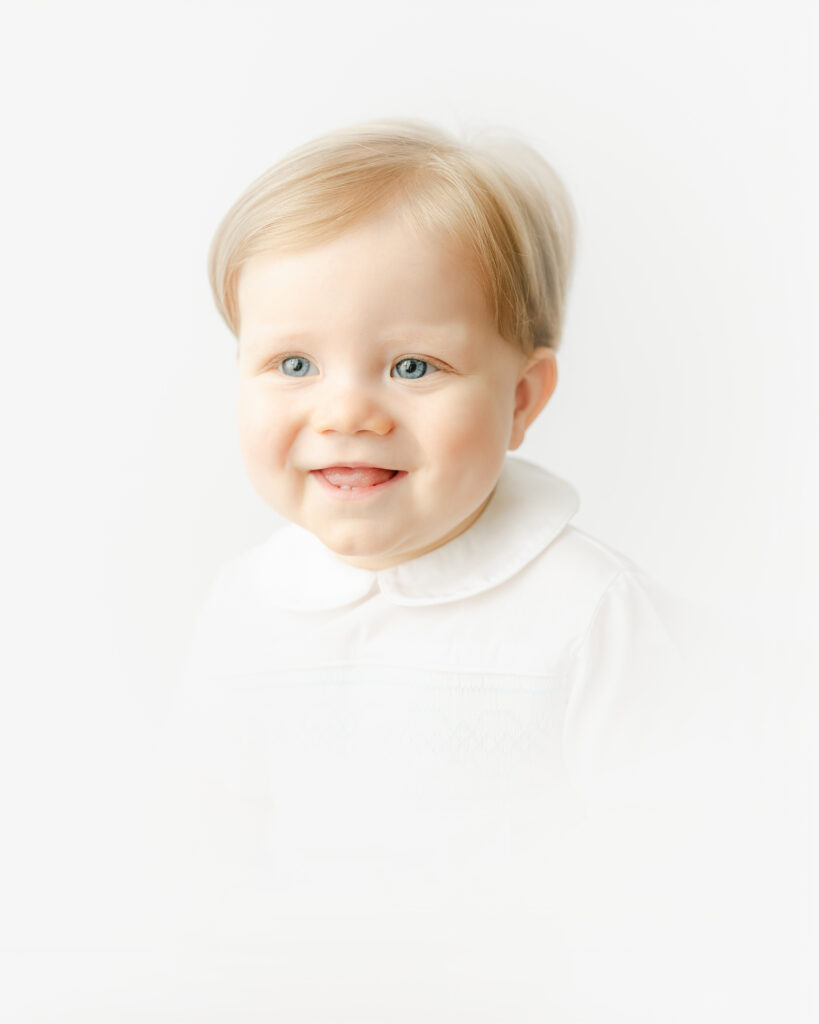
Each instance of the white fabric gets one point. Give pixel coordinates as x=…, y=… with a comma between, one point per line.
x=522, y=612
x=412, y=753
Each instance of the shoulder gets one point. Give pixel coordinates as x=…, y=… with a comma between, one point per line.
x=231, y=610
x=240, y=577
x=586, y=561
x=569, y=579
x=609, y=581
x=265, y=597
x=251, y=579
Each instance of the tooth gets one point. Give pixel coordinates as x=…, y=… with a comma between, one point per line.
x=344, y=487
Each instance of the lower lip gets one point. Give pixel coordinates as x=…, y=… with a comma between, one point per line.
x=360, y=493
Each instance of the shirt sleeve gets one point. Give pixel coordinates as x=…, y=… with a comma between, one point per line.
x=636, y=691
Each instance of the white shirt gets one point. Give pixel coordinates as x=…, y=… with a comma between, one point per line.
x=523, y=647
x=390, y=762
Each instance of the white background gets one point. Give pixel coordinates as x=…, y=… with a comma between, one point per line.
x=686, y=408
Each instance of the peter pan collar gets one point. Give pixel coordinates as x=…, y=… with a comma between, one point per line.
x=527, y=510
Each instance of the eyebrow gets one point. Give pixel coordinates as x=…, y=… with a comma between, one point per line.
x=287, y=336
x=454, y=330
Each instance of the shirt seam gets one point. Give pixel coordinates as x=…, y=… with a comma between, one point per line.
x=623, y=562
x=335, y=666
x=581, y=643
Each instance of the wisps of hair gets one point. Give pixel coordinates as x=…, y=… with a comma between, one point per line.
x=497, y=197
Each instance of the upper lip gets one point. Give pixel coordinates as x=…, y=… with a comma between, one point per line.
x=356, y=465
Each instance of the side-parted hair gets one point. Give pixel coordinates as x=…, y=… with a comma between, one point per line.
x=498, y=198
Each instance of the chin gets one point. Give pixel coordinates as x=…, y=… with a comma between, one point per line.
x=353, y=544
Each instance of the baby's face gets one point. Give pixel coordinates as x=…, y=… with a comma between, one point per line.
x=376, y=350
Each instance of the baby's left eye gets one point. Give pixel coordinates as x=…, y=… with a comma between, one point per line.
x=412, y=368
x=296, y=366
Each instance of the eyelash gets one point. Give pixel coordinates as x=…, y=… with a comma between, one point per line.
x=430, y=364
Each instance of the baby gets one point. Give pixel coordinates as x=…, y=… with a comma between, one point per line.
x=401, y=698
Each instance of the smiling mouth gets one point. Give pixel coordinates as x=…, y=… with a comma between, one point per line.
x=356, y=477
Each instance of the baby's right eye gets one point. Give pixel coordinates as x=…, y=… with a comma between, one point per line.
x=296, y=366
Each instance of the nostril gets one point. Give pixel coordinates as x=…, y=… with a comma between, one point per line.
x=352, y=421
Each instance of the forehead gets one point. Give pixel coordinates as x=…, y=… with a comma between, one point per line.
x=376, y=274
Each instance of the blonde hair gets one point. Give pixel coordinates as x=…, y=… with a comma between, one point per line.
x=498, y=198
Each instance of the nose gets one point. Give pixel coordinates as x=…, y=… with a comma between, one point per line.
x=349, y=411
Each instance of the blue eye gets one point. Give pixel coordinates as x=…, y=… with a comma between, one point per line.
x=295, y=366
x=413, y=368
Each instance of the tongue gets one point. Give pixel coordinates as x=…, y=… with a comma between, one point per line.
x=364, y=477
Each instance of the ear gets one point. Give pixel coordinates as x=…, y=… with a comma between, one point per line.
x=534, y=388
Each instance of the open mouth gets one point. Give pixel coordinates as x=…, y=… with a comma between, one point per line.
x=356, y=480
x=356, y=477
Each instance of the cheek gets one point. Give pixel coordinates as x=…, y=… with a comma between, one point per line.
x=477, y=421
x=470, y=430
x=263, y=427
